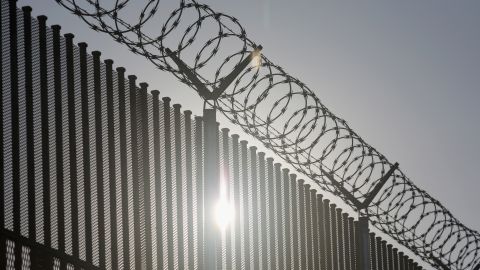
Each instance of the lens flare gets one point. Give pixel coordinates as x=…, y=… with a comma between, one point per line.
x=224, y=213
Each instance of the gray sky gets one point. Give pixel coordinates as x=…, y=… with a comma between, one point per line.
x=404, y=74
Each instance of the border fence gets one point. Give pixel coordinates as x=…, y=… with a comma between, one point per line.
x=97, y=172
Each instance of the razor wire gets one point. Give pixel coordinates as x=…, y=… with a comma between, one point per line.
x=287, y=117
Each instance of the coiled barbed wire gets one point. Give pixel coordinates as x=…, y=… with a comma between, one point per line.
x=293, y=122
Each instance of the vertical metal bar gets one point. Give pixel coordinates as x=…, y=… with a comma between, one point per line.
x=308, y=226
x=112, y=181
x=263, y=210
x=358, y=248
x=15, y=129
x=363, y=245
x=42, y=20
x=302, y=215
x=295, y=223
x=328, y=234
x=390, y=256
x=179, y=185
x=27, y=42
x=379, y=253
x=218, y=236
x=189, y=187
x=135, y=171
x=395, y=259
x=199, y=185
x=316, y=250
x=146, y=176
x=401, y=261
x=236, y=198
x=123, y=165
x=373, y=252
x=99, y=157
x=405, y=262
x=279, y=211
x=57, y=70
x=333, y=224
x=341, y=241
x=3, y=263
x=288, y=219
x=256, y=213
x=168, y=181
x=245, y=206
x=86, y=151
x=321, y=233
x=14, y=117
x=271, y=213
x=226, y=176
x=384, y=255
x=158, y=177
x=351, y=228
x=346, y=242
x=72, y=141
x=211, y=191
x=410, y=264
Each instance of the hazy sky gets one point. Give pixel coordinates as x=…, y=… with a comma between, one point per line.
x=404, y=74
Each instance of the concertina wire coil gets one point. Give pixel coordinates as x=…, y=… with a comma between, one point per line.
x=296, y=125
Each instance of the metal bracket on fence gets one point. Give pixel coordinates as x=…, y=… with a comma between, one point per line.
x=217, y=91
x=378, y=187
x=363, y=262
x=211, y=188
x=443, y=266
x=370, y=196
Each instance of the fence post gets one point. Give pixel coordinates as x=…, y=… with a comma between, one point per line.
x=14, y=98
x=245, y=205
x=189, y=186
x=123, y=164
x=97, y=81
x=147, y=209
x=227, y=184
x=373, y=252
x=111, y=164
x=2, y=179
x=86, y=150
x=263, y=207
x=346, y=242
x=334, y=236
x=308, y=226
x=132, y=88
x=395, y=259
x=179, y=183
x=157, y=175
x=211, y=190
x=340, y=237
x=316, y=251
x=363, y=254
x=255, y=208
x=390, y=257
x=295, y=222
x=27, y=41
x=57, y=70
x=328, y=234
x=72, y=140
x=301, y=216
x=199, y=181
x=288, y=219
